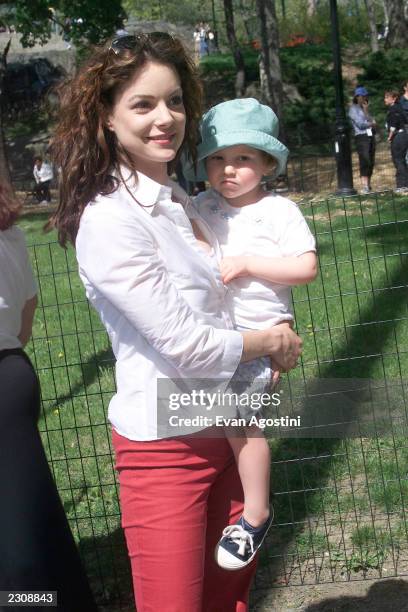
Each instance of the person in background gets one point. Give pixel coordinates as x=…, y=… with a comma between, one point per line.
x=364, y=136
x=121, y=29
x=403, y=101
x=212, y=43
x=203, y=39
x=196, y=39
x=398, y=137
x=37, y=550
x=43, y=175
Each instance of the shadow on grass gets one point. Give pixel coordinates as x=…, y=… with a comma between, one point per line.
x=107, y=565
x=90, y=370
x=363, y=344
x=386, y=595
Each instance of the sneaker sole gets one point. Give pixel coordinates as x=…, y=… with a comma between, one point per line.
x=229, y=562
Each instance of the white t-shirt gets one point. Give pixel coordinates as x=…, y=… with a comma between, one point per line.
x=45, y=173
x=272, y=227
x=17, y=285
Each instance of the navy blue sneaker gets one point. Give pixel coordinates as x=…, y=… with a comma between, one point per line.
x=240, y=543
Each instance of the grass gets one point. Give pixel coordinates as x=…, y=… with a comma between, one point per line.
x=341, y=501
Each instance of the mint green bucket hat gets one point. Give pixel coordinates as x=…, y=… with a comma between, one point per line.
x=242, y=121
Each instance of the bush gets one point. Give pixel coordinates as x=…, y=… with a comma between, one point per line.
x=306, y=66
x=223, y=63
x=353, y=23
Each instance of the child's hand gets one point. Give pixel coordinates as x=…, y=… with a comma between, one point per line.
x=233, y=267
x=275, y=376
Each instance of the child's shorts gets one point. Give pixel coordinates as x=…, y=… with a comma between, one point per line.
x=251, y=379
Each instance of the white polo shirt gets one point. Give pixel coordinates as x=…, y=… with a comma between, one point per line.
x=160, y=297
x=272, y=227
x=17, y=285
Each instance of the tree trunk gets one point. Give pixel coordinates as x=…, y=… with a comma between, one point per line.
x=5, y=178
x=311, y=7
x=369, y=4
x=236, y=51
x=398, y=24
x=269, y=65
x=386, y=18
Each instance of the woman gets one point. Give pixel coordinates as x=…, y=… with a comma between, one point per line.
x=398, y=137
x=124, y=119
x=364, y=135
x=37, y=550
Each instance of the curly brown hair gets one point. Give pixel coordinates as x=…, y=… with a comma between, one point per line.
x=10, y=207
x=392, y=93
x=83, y=148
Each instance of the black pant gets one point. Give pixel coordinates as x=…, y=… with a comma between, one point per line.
x=37, y=549
x=365, y=146
x=399, y=146
x=42, y=191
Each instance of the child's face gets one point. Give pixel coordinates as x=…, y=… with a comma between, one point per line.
x=236, y=172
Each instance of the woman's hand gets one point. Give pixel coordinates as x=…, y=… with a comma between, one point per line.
x=278, y=342
x=284, y=346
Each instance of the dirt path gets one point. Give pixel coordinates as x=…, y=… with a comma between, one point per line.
x=388, y=595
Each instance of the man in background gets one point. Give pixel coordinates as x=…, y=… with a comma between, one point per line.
x=43, y=175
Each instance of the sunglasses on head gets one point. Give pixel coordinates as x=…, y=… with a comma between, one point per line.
x=132, y=41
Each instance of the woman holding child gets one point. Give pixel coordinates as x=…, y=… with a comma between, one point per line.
x=150, y=266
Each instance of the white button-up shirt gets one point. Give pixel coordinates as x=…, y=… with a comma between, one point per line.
x=160, y=297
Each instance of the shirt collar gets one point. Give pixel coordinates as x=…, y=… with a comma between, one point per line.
x=149, y=192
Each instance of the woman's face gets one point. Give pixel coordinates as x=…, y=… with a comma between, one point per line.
x=388, y=100
x=149, y=119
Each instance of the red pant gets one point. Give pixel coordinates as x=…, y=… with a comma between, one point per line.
x=176, y=496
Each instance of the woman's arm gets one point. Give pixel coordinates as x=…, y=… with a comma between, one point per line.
x=392, y=122
x=27, y=317
x=281, y=270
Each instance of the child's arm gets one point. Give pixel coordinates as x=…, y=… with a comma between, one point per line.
x=280, y=270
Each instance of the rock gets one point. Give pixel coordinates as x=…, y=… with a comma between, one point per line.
x=290, y=92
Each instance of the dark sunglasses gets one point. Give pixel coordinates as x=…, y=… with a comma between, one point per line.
x=132, y=41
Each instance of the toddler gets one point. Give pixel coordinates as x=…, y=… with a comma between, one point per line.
x=267, y=247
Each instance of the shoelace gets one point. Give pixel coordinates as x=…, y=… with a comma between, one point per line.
x=240, y=536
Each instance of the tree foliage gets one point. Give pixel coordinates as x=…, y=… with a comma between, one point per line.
x=182, y=11
x=87, y=20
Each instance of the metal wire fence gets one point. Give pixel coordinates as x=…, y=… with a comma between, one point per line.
x=340, y=504
x=313, y=168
